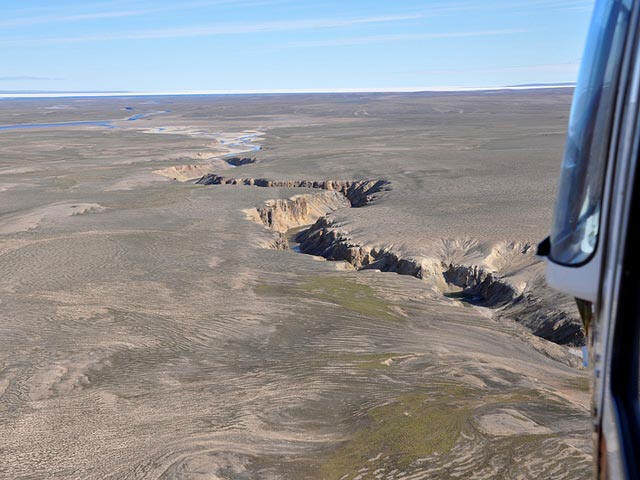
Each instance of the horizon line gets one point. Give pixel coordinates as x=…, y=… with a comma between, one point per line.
x=120, y=93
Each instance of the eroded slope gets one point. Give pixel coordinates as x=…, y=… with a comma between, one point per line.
x=504, y=276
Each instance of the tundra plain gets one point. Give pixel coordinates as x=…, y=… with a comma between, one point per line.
x=286, y=287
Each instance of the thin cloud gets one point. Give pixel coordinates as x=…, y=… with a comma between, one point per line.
x=132, y=12
x=519, y=5
x=566, y=67
x=20, y=22
x=366, y=40
x=20, y=78
x=218, y=29
x=513, y=7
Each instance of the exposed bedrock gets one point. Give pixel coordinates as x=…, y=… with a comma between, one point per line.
x=282, y=215
x=358, y=192
x=479, y=286
x=529, y=303
x=505, y=277
x=533, y=306
x=323, y=240
x=239, y=161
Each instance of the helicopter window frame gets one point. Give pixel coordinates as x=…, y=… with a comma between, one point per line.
x=585, y=158
x=625, y=359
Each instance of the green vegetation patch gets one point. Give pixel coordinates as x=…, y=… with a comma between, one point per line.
x=398, y=434
x=64, y=183
x=581, y=383
x=273, y=290
x=342, y=291
x=415, y=426
x=350, y=295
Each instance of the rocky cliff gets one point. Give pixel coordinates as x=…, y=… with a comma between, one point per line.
x=504, y=276
x=359, y=192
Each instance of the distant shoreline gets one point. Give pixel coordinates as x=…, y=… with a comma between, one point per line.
x=8, y=95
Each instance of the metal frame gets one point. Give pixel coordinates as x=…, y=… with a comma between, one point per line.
x=615, y=336
x=614, y=446
x=614, y=422
x=583, y=280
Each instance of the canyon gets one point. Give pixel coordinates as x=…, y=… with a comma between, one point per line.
x=479, y=284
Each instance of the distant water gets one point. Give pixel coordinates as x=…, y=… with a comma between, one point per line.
x=19, y=126
x=93, y=123
x=138, y=116
x=244, y=141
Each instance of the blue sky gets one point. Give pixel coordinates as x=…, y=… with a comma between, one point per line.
x=168, y=45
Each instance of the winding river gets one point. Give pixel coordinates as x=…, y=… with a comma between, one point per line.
x=87, y=123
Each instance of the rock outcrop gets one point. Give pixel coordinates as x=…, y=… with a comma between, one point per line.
x=321, y=239
x=239, y=161
x=281, y=215
x=531, y=305
x=486, y=277
x=479, y=286
x=358, y=192
x=183, y=173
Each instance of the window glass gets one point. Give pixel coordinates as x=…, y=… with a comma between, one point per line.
x=577, y=217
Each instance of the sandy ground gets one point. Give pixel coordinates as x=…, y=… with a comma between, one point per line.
x=146, y=333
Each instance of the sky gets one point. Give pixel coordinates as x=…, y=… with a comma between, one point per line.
x=269, y=45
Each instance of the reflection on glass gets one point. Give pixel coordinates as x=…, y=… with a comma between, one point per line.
x=575, y=231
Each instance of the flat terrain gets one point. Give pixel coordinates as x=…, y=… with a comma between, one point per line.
x=149, y=329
